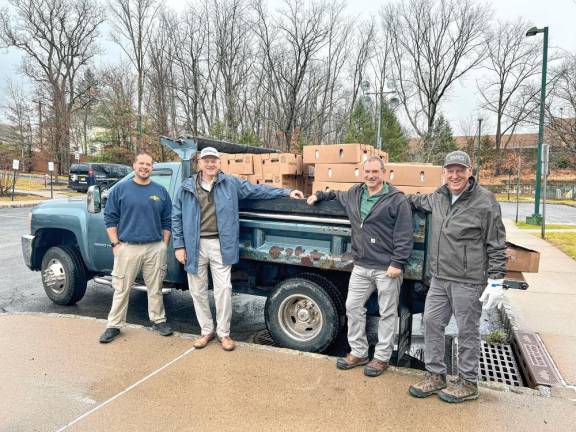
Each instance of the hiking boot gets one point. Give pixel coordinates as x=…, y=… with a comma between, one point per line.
x=109, y=335
x=350, y=361
x=163, y=328
x=227, y=343
x=459, y=391
x=202, y=341
x=375, y=368
x=432, y=383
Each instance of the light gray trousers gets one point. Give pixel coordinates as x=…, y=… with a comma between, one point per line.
x=198, y=283
x=362, y=284
x=444, y=299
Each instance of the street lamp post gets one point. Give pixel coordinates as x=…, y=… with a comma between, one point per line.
x=478, y=150
x=380, y=95
x=536, y=218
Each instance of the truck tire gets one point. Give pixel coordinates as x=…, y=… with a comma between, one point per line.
x=301, y=315
x=333, y=291
x=64, y=275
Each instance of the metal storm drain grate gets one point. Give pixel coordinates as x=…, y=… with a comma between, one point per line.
x=263, y=338
x=497, y=363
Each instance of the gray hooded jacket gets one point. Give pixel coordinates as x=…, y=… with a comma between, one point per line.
x=468, y=240
x=385, y=237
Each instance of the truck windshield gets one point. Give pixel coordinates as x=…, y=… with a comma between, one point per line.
x=162, y=177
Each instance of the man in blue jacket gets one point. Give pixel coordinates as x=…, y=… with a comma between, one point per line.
x=137, y=218
x=205, y=229
x=381, y=223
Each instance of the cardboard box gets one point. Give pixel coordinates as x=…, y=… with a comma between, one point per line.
x=521, y=259
x=280, y=181
x=257, y=164
x=340, y=173
x=224, y=163
x=336, y=186
x=254, y=178
x=382, y=155
x=240, y=164
x=337, y=153
x=307, y=185
x=242, y=176
x=415, y=190
x=278, y=163
x=308, y=170
x=414, y=175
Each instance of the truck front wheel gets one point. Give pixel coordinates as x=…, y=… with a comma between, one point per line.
x=64, y=275
x=301, y=315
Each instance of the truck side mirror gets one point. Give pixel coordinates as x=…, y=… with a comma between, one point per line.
x=93, y=199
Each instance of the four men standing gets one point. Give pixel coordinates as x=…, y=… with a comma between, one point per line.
x=467, y=257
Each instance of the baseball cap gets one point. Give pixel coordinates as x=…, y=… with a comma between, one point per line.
x=209, y=151
x=457, y=157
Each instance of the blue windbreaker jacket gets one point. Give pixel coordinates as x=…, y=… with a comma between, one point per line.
x=227, y=191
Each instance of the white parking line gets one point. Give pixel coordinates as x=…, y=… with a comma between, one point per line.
x=13, y=217
x=136, y=384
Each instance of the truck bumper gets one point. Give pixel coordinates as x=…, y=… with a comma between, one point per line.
x=27, y=249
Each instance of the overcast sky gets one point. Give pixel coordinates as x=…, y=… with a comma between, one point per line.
x=461, y=106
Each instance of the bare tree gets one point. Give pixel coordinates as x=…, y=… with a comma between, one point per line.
x=508, y=91
x=364, y=47
x=434, y=43
x=19, y=112
x=58, y=38
x=561, y=105
x=289, y=43
x=133, y=22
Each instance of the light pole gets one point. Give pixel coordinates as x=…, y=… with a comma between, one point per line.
x=380, y=95
x=478, y=150
x=536, y=219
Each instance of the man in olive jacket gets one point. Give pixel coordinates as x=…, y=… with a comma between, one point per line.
x=382, y=233
x=467, y=257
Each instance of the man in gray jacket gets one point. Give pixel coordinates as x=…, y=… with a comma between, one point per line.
x=205, y=228
x=381, y=223
x=468, y=263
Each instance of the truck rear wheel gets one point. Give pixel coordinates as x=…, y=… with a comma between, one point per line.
x=64, y=275
x=301, y=315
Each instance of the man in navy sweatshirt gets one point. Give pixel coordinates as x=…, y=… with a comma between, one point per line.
x=138, y=222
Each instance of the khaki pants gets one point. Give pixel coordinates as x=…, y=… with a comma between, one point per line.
x=198, y=284
x=130, y=259
x=363, y=282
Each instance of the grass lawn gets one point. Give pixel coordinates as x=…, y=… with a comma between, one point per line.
x=564, y=241
x=530, y=199
x=21, y=197
x=524, y=225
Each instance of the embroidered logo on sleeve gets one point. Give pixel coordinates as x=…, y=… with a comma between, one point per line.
x=154, y=197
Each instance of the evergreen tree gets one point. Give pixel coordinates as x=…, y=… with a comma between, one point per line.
x=440, y=142
x=394, y=140
x=361, y=128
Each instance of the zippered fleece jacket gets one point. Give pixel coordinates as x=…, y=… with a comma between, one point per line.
x=226, y=191
x=385, y=238
x=467, y=241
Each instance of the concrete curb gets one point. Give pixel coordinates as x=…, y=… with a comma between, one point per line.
x=494, y=386
x=20, y=204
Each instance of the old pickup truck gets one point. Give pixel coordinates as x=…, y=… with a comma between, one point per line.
x=296, y=255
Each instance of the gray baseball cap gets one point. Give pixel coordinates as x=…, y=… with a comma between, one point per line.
x=458, y=157
x=209, y=151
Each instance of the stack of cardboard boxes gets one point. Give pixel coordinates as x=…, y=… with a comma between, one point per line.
x=274, y=169
x=322, y=167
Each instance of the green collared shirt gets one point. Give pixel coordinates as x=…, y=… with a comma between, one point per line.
x=367, y=201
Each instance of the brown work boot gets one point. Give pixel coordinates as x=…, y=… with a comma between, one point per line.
x=459, y=391
x=350, y=361
x=227, y=343
x=432, y=383
x=375, y=368
x=201, y=342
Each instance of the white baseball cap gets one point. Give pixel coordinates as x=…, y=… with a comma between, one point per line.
x=209, y=151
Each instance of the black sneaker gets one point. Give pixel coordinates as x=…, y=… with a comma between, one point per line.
x=163, y=328
x=109, y=335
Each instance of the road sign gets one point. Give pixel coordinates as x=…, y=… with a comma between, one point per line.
x=50, y=166
x=15, y=164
